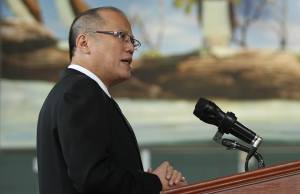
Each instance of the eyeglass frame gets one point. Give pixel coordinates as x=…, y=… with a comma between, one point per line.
x=136, y=43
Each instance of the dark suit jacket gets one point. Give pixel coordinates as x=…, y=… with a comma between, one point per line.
x=85, y=145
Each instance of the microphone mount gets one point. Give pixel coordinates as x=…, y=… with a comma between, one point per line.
x=232, y=145
x=227, y=123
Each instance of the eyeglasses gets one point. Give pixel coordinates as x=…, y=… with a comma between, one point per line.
x=123, y=36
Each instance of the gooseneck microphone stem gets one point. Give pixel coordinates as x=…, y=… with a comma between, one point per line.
x=231, y=144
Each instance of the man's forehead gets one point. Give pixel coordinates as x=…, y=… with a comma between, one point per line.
x=113, y=18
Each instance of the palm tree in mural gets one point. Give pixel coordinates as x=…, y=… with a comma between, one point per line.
x=216, y=18
x=250, y=11
x=28, y=10
x=279, y=9
x=152, y=41
x=238, y=15
x=273, y=10
x=28, y=47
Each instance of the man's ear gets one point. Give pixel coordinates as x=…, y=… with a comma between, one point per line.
x=82, y=44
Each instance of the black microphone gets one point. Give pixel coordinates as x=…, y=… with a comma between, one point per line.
x=210, y=113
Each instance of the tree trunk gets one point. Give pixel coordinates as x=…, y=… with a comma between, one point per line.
x=283, y=26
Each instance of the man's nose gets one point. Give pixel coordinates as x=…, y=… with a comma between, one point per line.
x=129, y=46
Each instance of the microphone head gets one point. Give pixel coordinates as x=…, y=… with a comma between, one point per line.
x=208, y=112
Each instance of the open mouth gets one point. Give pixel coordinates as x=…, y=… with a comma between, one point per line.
x=127, y=60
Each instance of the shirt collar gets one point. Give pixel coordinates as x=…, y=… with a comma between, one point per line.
x=90, y=75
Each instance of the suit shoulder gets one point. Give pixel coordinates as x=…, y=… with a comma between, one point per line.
x=81, y=85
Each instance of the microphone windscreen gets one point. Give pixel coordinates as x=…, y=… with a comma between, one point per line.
x=200, y=107
x=208, y=112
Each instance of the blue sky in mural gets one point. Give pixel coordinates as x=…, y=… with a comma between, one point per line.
x=181, y=32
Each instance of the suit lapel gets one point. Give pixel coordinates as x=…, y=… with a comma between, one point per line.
x=124, y=118
x=129, y=128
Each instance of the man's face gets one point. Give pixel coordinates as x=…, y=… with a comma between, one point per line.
x=111, y=56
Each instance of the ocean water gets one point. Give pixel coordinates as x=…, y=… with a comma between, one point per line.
x=154, y=121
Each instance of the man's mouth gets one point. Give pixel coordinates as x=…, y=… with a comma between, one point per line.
x=127, y=60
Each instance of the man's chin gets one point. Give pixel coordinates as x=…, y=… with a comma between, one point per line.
x=128, y=76
x=123, y=78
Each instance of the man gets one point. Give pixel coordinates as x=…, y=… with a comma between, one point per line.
x=84, y=142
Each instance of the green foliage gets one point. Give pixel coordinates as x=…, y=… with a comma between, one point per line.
x=186, y=5
x=298, y=56
x=152, y=54
x=236, y=1
x=178, y=3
